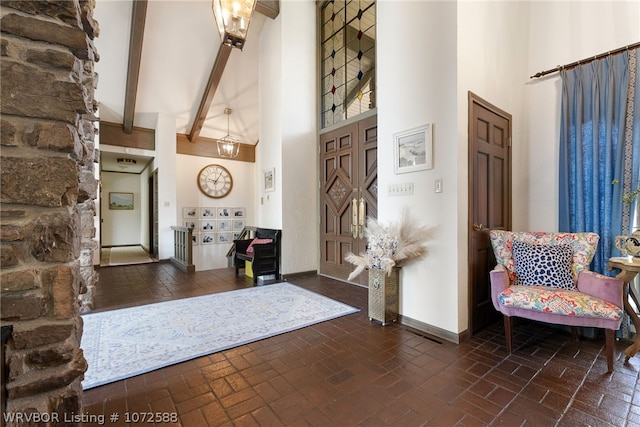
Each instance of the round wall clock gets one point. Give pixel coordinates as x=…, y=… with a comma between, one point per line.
x=215, y=181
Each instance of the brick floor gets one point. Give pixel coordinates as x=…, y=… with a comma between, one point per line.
x=353, y=372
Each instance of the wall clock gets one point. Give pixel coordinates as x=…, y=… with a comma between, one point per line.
x=215, y=181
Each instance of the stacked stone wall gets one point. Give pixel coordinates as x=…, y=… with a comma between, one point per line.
x=47, y=194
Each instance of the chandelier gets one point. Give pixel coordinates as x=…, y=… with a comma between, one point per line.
x=232, y=19
x=228, y=146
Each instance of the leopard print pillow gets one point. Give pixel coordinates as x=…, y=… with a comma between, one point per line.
x=543, y=265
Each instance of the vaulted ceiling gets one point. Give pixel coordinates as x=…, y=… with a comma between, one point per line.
x=174, y=46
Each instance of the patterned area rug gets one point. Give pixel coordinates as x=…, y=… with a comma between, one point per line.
x=122, y=343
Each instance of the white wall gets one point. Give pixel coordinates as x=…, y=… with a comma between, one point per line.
x=165, y=162
x=427, y=59
x=131, y=228
x=243, y=195
x=492, y=58
x=288, y=132
x=580, y=30
x=299, y=138
x=114, y=18
x=121, y=227
x=269, y=150
x=492, y=41
x=490, y=48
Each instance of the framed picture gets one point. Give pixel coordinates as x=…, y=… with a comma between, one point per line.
x=224, y=212
x=238, y=212
x=190, y=224
x=269, y=179
x=195, y=239
x=224, y=225
x=121, y=201
x=413, y=149
x=224, y=238
x=207, y=225
x=189, y=212
x=207, y=238
x=207, y=212
x=238, y=225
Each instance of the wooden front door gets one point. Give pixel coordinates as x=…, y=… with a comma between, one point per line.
x=349, y=194
x=490, y=200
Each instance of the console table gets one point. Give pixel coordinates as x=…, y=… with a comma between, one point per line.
x=628, y=271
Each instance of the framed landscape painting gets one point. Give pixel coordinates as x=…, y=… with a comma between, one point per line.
x=121, y=201
x=413, y=149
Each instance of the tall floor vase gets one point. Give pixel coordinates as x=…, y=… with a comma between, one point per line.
x=383, y=295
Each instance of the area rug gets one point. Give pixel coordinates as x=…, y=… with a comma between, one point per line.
x=126, y=255
x=131, y=341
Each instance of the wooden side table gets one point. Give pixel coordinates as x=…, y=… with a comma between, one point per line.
x=628, y=271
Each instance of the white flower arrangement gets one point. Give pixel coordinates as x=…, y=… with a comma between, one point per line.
x=390, y=246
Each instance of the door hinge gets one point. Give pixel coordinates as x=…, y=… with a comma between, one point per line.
x=509, y=142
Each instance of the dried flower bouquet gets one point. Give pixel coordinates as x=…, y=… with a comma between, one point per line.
x=390, y=246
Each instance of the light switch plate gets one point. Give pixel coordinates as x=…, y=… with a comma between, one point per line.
x=404, y=189
x=438, y=186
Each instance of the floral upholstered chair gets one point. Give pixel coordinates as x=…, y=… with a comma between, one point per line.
x=545, y=277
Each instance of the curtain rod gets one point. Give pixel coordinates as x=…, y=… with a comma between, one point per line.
x=586, y=60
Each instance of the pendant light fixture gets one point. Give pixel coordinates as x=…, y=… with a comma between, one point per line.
x=232, y=19
x=228, y=146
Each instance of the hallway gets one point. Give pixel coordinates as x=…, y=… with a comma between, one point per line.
x=350, y=371
x=124, y=255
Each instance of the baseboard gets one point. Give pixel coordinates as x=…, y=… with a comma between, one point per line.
x=343, y=280
x=434, y=330
x=286, y=277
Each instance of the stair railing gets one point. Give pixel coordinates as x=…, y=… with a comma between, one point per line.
x=183, y=249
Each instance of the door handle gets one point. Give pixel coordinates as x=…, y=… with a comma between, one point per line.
x=354, y=218
x=478, y=227
x=361, y=216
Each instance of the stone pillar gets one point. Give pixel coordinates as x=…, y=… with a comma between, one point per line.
x=47, y=194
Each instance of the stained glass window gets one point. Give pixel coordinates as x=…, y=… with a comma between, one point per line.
x=348, y=59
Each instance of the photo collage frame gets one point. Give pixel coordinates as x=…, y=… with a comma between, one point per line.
x=214, y=225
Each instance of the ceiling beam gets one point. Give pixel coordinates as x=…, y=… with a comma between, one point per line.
x=269, y=8
x=138, y=17
x=113, y=134
x=208, y=147
x=210, y=90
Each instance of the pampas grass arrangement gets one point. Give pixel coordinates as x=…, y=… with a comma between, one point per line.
x=390, y=246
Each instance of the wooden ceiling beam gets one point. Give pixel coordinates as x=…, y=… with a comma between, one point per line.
x=269, y=8
x=210, y=90
x=208, y=147
x=138, y=17
x=114, y=134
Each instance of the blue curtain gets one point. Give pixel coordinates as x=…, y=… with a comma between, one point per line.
x=594, y=152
